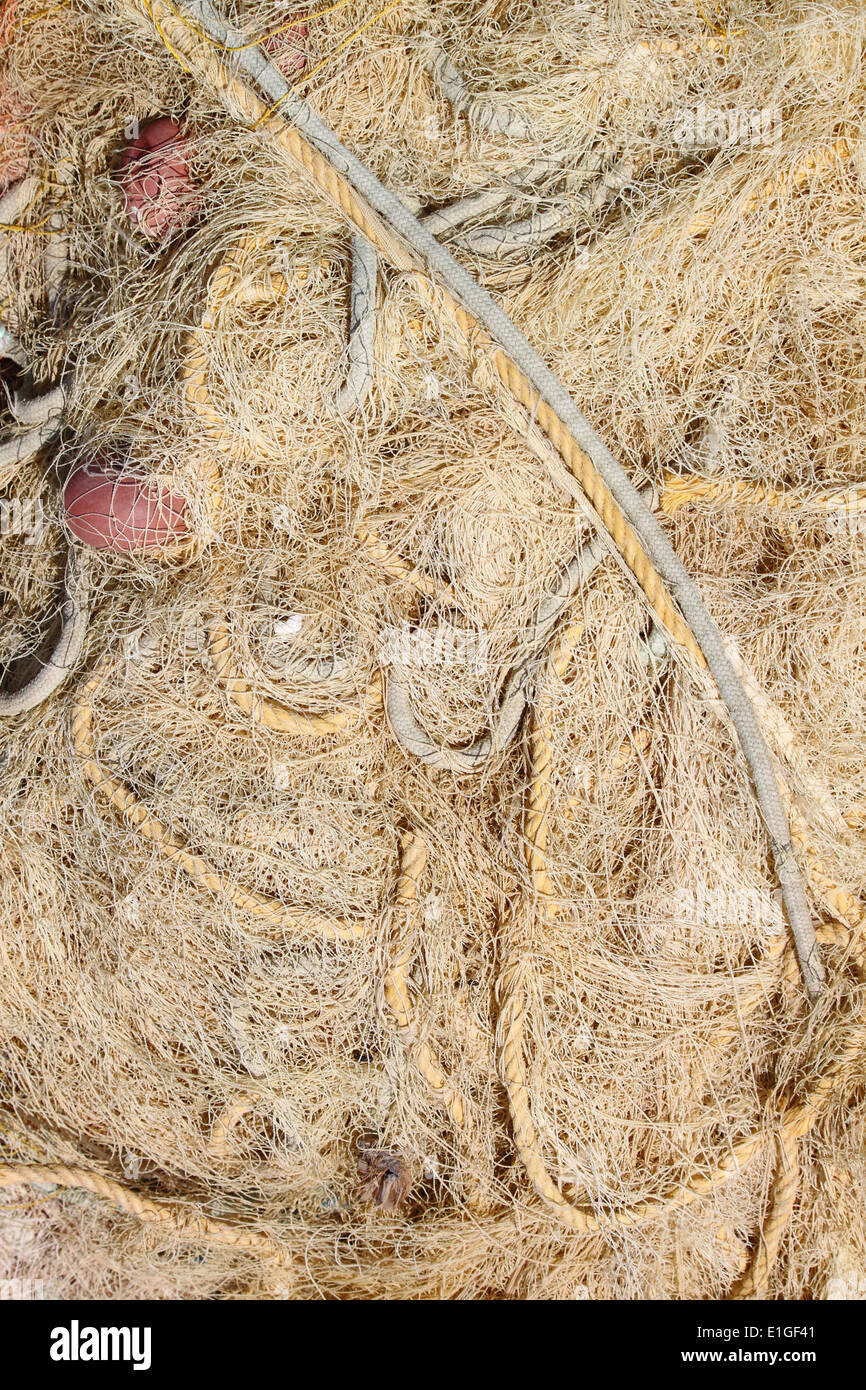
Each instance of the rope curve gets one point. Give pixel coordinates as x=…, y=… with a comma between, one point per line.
x=792, y=1121
x=411, y=736
x=505, y=238
x=75, y=614
x=183, y=1222
x=273, y=714
x=21, y=448
x=395, y=984
x=230, y=281
x=396, y=232
x=174, y=847
x=443, y=221
x=755, y=1282
x=485, y=115
x=42, y=418
x=228, y=1120
x=515, y=692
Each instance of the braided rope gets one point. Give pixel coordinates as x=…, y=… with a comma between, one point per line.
x=609, y=511
x=514, y=695
x=641, y=543
x=395, y=984
x=231, y=281
x=180, y=1221
x=446, y=221
x=19, y=449
x=565, y=449
x=499, y=240
x=174, y=847
x=472, y=757
x=485, y=114
x=838, y=901
x=274, y=714
x=779, y=733
x=677, y=491
x=362, y=329
x=841, y=903
x=801, y=1113
x=58, y=665
x=250, y=108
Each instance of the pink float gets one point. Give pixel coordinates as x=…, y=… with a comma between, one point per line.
x=111, y=507
x=158, y=188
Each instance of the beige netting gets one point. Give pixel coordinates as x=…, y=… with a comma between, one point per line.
x=285, y=1009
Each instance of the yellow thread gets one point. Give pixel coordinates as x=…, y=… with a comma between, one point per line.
x=252, y=43
x=43, y=14
x=33, y=227
x=172, y=50
x=339, y=49
x=798, y=1119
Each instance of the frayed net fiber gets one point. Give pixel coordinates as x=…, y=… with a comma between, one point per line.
x=385, y=907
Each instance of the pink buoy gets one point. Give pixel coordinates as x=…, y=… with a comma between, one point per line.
x=288, y=50
x=158, y=188
x=111, y=507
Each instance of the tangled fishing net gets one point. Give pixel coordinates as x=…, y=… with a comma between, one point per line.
x=369, y=929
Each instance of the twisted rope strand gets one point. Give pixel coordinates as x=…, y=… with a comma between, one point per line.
x=180, y=1221
x=756, y=1280
x=771, y=190
x=173, y=846
x=273, y=714
x=395, y=984
x=643, y=544
x=397, y=567
x=681, y=490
